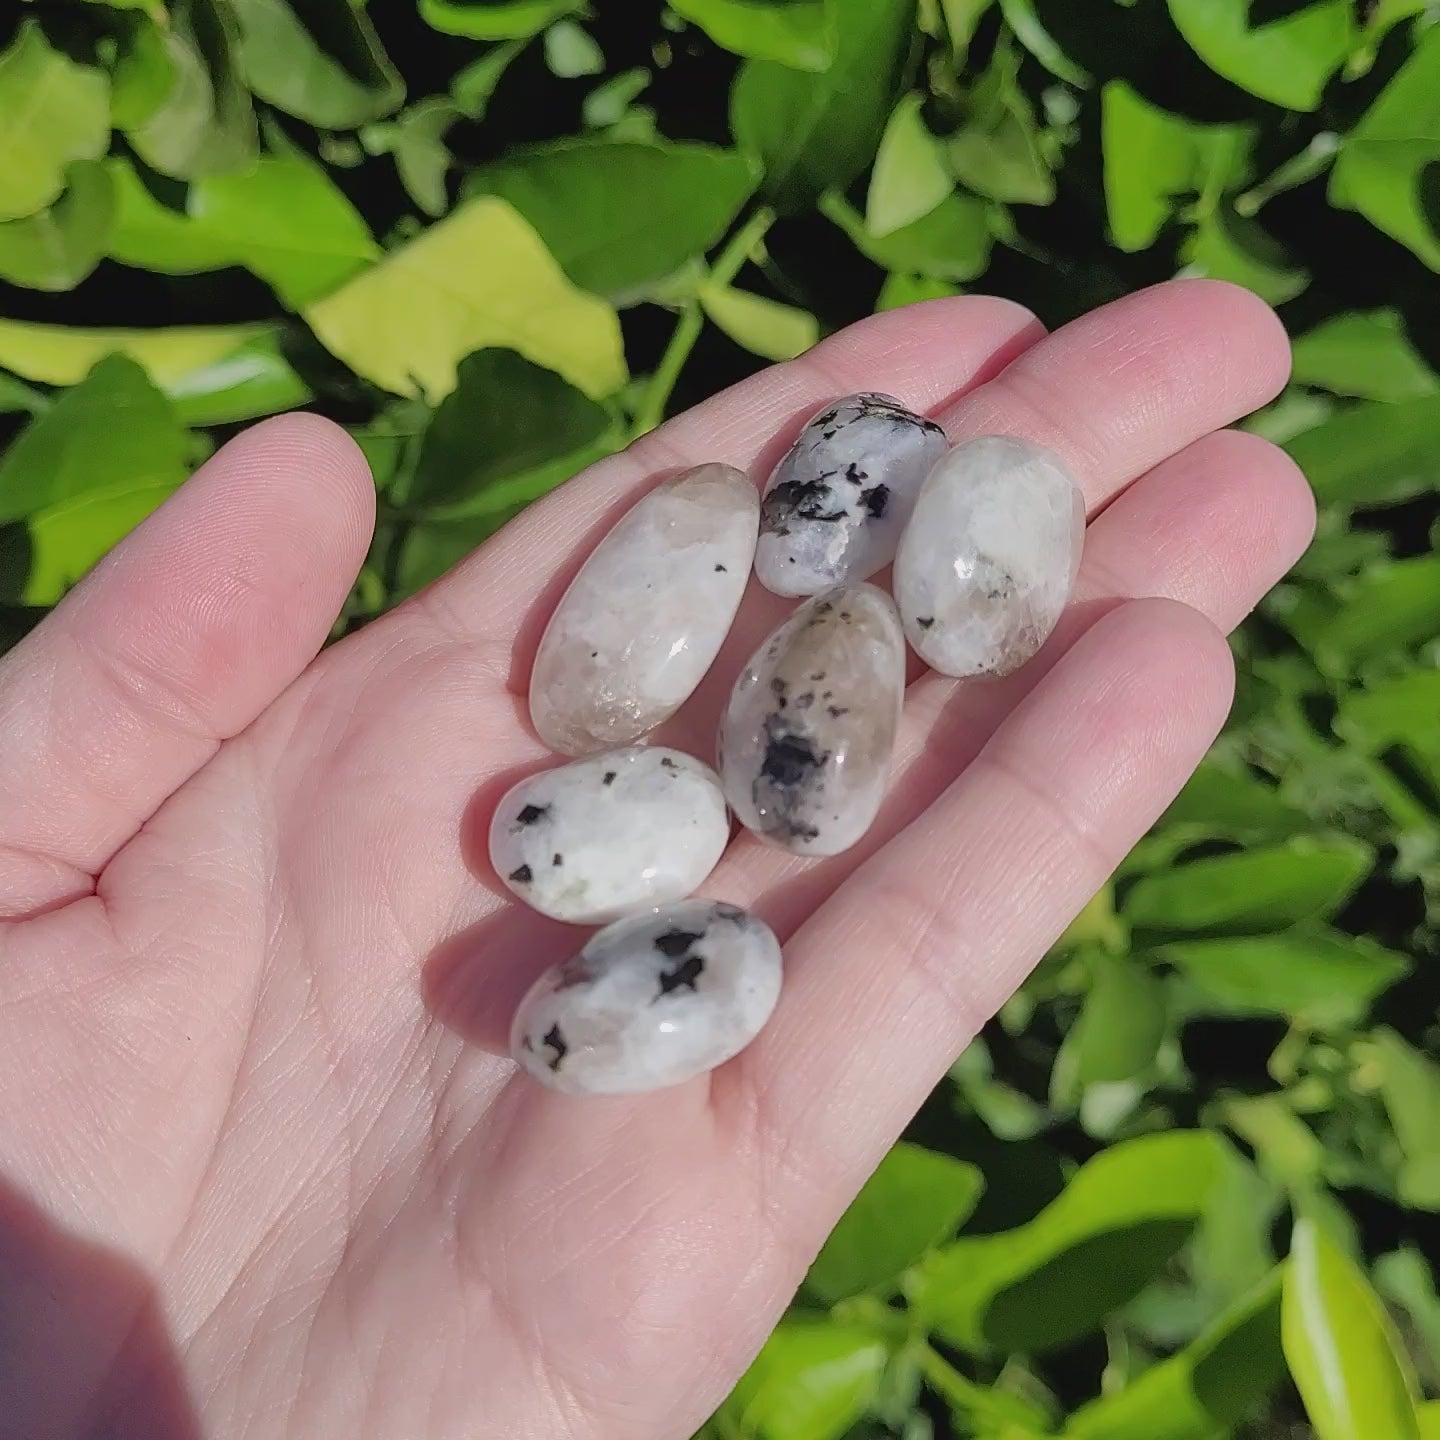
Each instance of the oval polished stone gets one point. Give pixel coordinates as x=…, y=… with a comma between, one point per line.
x=806, y=738
x=652, y=1000
x=643, y=620
x=989, y=558
x=591, y=840
x=837, y=502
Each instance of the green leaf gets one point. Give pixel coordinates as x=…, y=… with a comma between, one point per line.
x=762, y=326
x=1404, y=1278
x=1233, y=805
x=1257, y=889
x=289, y=223
x=406, y=323
x=952, y=242
x=817, y=132
x=1390, y=607
x=1121, y=1217
x=151, y=236
x=1374, y=454
x=1427, y=1417
x=505, y=418
x=1286, y=1148
x=17, y=397
x=1383, y=163
x=909, y=178
x=1120, y=1026
x=1286, y=61
x=206, y=124
x=1210, y=1386
x=902, y=289
x=319, y=60
x=1153, y=159
x=1227, y=246
x=580, y=197
x=52, y=111
x=252, y=380
x=62, y=355
x=798, y=33
x=962, y=17
x=474, y=86
x=1317, y=978
x=416, y=138
x=999, y=152
x=1340, y=1346
x=1410, y=1087
x=812, y=1381
x=1390, y=712
x=913, y=1201
x=609, y=104
x=494, y=19
x=59, y=247
x=1020, y=16
x=1364, y=353
x=112, y=430
x=570, y=51
x=143, y=75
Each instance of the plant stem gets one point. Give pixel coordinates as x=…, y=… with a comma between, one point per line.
x=739, y=248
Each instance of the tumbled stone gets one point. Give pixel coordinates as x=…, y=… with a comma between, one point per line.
x=989, y=558
x=652, y=1000
x=643, y=620
x=837, y=502
x=806, y=738
x=594, y=839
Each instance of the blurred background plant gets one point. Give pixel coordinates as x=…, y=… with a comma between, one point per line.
x=1187, y=1184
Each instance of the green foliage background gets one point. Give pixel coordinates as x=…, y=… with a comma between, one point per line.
x=1186, y=1185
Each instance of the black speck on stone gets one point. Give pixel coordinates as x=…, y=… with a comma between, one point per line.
x=844, y=614
x=790, y=760
x=818, y=675
x=836, y=711
x=666, y=763
x=558, y=859
x=805, y=701
x=523, y=875
x=719, y=569
x=532, y=814
x=924, y=621
x=556, y=1042
x=855, y=475
x=686, y=973
x=827, y=694
x=828, y=418
x=594, y=654
x=799, y=499
x=609, y=778
x=729, y=912
x=674, y=943
x=875, y=499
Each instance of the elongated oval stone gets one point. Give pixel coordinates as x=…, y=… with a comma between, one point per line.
x=643, y=620
x=621, y=831
x=652, y=1000
x=836, y=504
x=806, y=738
x=989, y=558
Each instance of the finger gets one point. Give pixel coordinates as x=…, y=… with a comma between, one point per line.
x=927, y=354
x=892, y=977
x=176, y=641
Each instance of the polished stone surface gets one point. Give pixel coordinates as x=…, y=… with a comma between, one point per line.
x=987, y=563
x=643, y=620
x=592, y=840
x=837, y=502
x=653, y=1000
x=806, y=739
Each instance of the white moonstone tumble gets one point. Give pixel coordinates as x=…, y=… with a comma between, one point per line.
x=837, y=502
x=652, y=1000
x=642, y=621
x=989, y=558
x=806, y=738
x=591, y=840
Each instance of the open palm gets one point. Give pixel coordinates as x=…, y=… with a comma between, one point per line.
x=264, y=1168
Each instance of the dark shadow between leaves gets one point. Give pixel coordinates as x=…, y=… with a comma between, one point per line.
x=85, y=1349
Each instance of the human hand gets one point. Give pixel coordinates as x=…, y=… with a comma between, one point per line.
x=264, y=1169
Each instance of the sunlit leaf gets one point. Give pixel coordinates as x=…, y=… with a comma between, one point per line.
x=952, y=242
x=406, y=323
x=799, y=33
x=58, y=247
x=1410, y=1087
x=909, y=178
x=1372, y=454
x=495, y=19
x=52, y=111
x=1363, y=353
x=763, y=326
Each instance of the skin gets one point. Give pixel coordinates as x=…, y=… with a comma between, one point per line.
x=261, y=1171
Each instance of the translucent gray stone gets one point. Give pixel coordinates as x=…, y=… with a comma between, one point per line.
x=989, y=559
x=589, y=841
x=806, y=739
x=836, y=504
x=652, y=1000
x=643, y=620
